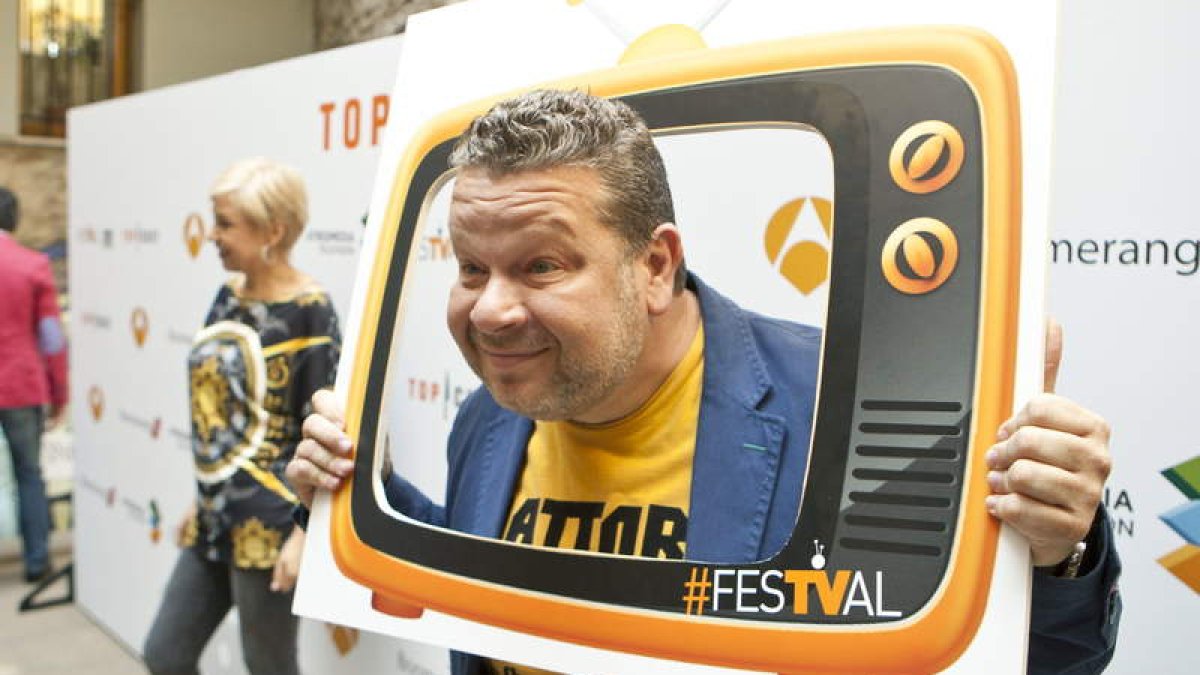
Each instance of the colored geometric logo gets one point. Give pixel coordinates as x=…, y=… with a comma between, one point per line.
x=805, y=264
x=139, y=322
x=193, y=233
x=926, y=157
x=155, y=522
x=1184, y=562
x=919, y=255
x=96, y=402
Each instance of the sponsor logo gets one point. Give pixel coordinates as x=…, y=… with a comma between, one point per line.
x=755, y=591
x=155, y=522
x=1182, y=255
x=179, y=337
x=344, y=638
x=193, y=233
x=1184, y=562
x=139, y=323
x=110, y=497
x=96, y=402
x=1120, y=510
x=926, y=157
x=803, y=262
x=139, y=235
x=93, y=235
x=153, y=427
x=344, y=124
x=93, y=487
x=134, y=510
x=919, y=256
x=435, y=247
x=335, y=242
x=94, y=320
x=444, y=392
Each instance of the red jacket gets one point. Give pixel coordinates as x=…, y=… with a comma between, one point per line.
x=33, y=355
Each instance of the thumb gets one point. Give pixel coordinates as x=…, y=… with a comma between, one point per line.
x=1054, y=349
x=277, y=576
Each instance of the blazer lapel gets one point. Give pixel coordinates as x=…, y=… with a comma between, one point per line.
x=737, y=445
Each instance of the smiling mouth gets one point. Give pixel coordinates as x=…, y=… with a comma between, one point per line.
x=504, y=360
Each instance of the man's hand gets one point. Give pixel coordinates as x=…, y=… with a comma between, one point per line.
x=1049, y=466
x=321, y=459
x=287, y=567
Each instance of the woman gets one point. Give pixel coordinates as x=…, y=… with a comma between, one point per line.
x=270, y=340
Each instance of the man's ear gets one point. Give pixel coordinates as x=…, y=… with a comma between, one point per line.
x=662, y=257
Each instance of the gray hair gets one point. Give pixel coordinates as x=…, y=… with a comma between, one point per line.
x=548, y=128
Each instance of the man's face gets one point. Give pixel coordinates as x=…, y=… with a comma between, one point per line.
x=549, y=307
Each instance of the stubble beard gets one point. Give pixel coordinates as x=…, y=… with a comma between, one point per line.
x=579, y=380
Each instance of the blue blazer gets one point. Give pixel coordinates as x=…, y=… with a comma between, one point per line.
x=751, y=453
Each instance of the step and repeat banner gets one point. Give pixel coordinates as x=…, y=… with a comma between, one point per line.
x=1122, y=255
x=143, y=276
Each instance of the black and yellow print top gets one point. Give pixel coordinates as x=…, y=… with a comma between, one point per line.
x=622, y=487
x=253, y=368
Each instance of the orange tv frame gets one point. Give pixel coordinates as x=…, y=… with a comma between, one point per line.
x=890, y=562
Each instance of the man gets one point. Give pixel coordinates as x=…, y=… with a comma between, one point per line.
x=33, y=372
x=613, y=376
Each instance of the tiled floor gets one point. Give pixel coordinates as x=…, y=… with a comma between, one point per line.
x=56, y=639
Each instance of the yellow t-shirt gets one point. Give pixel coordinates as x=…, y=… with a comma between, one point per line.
x=622, y=487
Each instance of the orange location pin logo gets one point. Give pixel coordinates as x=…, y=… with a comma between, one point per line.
x=96, y=402
x=140, y=323
x=919, y=256
x=193, y=233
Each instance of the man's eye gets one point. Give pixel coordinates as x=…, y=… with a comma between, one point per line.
x=469, y=269
x=542, y=267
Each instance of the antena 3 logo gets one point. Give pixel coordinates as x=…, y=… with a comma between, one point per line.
x=96, y=402
x=194, y=233
x=139, y=323
x=919, y=256
x=805, y=264
x=755, y=591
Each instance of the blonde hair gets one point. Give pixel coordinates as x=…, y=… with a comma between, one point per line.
x=266, y=192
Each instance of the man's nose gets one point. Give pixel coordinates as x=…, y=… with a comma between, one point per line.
x=500, y=305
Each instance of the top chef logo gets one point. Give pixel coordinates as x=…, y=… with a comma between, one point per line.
x=757, y=591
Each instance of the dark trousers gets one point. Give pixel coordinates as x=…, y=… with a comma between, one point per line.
x=197, y=598
x=23, y=430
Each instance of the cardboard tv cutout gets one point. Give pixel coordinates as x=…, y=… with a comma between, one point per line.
x=890, y=559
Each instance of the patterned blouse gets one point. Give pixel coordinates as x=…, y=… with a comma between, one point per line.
x=253, y=368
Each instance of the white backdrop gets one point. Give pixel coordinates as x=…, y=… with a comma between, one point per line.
x=1124, y=172
x=139, y=167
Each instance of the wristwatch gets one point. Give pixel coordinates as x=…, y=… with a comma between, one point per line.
x=1069, y=567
